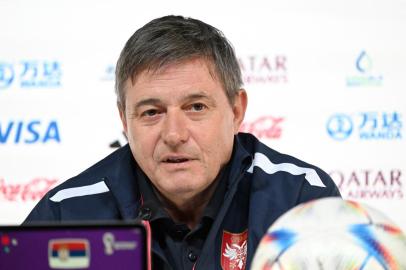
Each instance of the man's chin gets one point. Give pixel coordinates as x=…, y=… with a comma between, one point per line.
x=182, y=191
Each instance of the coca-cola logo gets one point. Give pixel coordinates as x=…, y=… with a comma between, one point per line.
x=30, y=191
x=264, y=127
x=369, y=183
x=264, y=69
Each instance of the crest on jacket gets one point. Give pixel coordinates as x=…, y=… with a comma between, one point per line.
x=234, y=250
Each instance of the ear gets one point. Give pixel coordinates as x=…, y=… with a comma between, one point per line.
x=239, y=108
x=121, y=111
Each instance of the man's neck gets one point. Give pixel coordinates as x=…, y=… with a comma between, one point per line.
x=188, y=210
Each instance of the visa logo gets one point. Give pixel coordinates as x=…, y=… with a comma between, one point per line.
x=29, y=132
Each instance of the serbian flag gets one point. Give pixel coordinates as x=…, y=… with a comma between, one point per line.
x=68, y=253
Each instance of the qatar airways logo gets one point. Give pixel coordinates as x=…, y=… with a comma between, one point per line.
x=264, y=127
x=264, y=69
x=32, y=190
x=369, y=184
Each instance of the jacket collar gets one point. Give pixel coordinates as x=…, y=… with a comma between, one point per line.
x=240, y=160
x=121, y=177
x=121, y=181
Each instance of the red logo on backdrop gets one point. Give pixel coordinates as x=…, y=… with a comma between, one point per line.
x=31, y=191
x=266, y=127
x=369, y=183
x=234, y=250
x=263, y=69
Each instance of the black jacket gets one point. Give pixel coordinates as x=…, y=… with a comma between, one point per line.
x=262, y=185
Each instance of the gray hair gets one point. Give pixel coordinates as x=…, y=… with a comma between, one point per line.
x=171, y=39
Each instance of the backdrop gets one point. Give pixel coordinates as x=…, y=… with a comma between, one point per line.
x=325, y=79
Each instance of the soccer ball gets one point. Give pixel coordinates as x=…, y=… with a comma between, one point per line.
x=332, y=234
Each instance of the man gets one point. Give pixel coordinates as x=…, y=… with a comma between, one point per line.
x=206, y=193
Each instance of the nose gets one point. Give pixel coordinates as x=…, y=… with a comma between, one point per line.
x=175, y=131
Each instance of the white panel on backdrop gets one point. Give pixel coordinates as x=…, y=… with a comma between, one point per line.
x=325, y=82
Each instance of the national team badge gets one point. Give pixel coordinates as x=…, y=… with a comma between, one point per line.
x=68, y=253
x=234, y=250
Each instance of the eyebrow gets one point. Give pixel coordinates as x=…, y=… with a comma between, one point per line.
x=188, y=98
x=148, y=101
x=200, y=95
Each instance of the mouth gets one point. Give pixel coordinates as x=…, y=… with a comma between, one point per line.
x=175, y=159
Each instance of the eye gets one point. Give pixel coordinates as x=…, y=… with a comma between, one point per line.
x=149, y=113
x=197, y=107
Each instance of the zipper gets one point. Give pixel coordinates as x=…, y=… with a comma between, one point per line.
x=222, y=213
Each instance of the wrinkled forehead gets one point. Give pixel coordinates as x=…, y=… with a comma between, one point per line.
x=156, y=69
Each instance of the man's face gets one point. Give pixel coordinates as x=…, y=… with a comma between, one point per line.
x=181, y=126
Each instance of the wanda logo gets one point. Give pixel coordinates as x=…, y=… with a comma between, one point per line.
x=264, y=127
x=30, y=191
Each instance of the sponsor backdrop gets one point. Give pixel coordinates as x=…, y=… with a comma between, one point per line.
x=325, y=82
